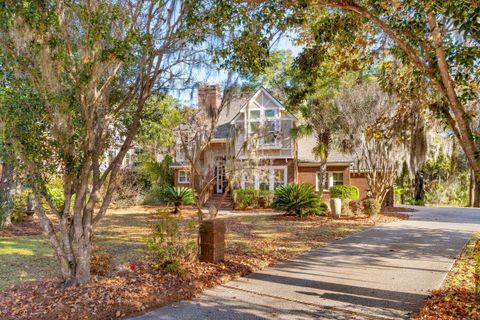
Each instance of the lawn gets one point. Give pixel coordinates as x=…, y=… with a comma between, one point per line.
x=253, y=242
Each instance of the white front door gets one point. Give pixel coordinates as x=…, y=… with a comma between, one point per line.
x=220, y=171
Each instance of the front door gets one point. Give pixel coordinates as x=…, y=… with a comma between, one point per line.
x=220, y=172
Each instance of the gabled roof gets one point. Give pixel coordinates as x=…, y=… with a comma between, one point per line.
x=229, y=112
x=237, y=105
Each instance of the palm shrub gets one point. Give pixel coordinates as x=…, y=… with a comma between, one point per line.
x=299, y=199
x=177, y=196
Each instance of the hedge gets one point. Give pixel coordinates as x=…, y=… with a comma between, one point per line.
x=344, y=192
x=252, y=198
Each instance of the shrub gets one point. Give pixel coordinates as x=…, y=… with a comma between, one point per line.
x=251, y=198
x=172, y=243
x=371, y=206
x=356, y=206
x=177, y=196
x=153, y=195
x=345, y=192
x=299, y=199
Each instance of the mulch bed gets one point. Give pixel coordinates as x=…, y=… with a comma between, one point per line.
x=24, y=228
x=128, y=292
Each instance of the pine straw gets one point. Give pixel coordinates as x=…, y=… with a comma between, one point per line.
x=253, y=243
x=456, y=299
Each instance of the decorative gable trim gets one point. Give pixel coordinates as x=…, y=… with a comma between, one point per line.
x=269, y=95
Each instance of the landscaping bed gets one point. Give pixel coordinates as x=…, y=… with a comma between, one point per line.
x=253, y=243
x=456, y=299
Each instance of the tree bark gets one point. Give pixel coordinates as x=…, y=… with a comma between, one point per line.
x=419, y=187
x=471, y=189
x=7, y=184
x=476, y=190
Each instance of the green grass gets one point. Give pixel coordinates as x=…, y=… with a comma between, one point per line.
x=123, y=233
x=25, y=258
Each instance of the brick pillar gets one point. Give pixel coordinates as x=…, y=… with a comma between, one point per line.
x=212, y=240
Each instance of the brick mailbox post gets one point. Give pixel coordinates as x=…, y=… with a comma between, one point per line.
x=212, y=240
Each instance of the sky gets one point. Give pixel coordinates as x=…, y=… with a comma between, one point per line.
x=188, y=97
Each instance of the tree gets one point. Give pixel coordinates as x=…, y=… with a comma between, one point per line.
x=275, y=76
x=155, y=140
x=438, y=40
x=83, y=66
x=7, y=184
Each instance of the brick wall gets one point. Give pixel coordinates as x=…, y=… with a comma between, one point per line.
x=360, y=181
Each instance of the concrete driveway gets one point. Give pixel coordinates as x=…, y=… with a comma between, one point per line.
x=382, y=273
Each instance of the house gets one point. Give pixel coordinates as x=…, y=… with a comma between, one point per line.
x=258, y=124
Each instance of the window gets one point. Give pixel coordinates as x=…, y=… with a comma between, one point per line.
x=254, y=114
x=271, y=113
x=248, y=181
x=183, y=176
x=264, y=180
x=180, y=154
x=337, y=178
x=267, y=179
x=279, y=177
x=254, y=127
x=270, y=136
x=331, y=179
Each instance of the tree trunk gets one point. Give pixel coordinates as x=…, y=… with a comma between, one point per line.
x=419, y=187
x=471, y=189
x=6, y=201
x=476, y=190
x=322, y=176
x=83, y=259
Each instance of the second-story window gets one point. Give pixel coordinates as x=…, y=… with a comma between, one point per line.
x=271, y=113
x=180, y=154
x=254, y=114
x=271, y=128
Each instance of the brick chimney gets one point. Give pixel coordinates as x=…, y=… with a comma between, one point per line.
x=209, y=97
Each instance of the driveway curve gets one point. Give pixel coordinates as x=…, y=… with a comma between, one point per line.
x=382, y=273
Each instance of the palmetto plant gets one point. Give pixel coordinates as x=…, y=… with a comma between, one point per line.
x=177, y=196
x=299, y=199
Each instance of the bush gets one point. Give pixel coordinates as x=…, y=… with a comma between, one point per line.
x=172, y=243
x=153, y=196
x=344, y=192
x=371, y=206
x=355, y=206
x=299, y=199
x=177, y=196
x=251, y=198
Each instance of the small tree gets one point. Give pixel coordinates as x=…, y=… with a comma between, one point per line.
x=379, y=160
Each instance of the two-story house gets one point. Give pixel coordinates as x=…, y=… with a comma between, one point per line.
x=258, y=126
